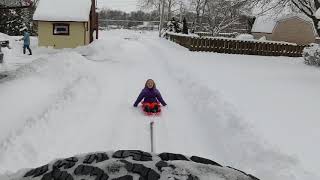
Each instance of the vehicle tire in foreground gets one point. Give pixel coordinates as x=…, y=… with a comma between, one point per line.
x=132, y=165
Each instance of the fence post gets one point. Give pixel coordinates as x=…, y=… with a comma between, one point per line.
x=251, y=46
x=237, y=49
x=267, y=52
x=220, y=45
x=224, y=46
x=210, y=45
x=190, y=47
x=301, y=50
x=246, y=48
x=205, y=44
x=201, y=44
x=197, y=44
x=271, y=49
x=215, y=45
x=233, y=47
x=276, y=49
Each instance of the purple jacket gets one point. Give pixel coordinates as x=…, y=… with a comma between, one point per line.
x=150, y=96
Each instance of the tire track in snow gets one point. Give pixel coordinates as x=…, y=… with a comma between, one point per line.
x=28, y=143
x=178, y=116
x=61, y=99
x=229, y=137
x=21, y=142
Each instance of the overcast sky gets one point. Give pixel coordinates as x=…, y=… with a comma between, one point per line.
x=124, y=5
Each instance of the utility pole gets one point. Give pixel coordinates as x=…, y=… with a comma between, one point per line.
x=161, y=17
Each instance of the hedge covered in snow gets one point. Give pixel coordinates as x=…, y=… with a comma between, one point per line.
x=311, y=55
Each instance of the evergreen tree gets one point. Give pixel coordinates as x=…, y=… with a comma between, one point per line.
x=11, y=21
x=185, y=26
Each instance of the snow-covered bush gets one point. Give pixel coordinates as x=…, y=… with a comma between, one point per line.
x=174, y=26
x=244, y=36
x=311, y=54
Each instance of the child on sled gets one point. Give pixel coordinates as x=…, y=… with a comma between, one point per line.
x=151, y=98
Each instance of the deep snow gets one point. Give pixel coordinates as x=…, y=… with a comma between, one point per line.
x=258, y=114
x=59, y=10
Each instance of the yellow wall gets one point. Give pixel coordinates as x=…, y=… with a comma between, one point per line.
x=88, y=34
x=78, y=36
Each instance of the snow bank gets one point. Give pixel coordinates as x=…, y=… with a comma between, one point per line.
x=63, y=10
x=36, y=89
x=180, y=34
x=252, y=40
x=244, y=37
x=4, y=37
x=12, y=40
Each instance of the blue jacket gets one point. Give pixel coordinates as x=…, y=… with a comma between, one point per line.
x=150, y=96
x=26, y=39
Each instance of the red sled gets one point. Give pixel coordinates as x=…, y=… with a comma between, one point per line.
x=151, y=107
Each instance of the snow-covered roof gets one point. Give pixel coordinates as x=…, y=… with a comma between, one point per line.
x=63, y=10
x=266, y=24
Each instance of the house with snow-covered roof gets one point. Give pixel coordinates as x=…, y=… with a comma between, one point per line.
x=66, y=23
x=294, y=28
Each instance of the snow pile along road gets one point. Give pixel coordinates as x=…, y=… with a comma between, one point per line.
x=77, y=101
x=35, y=92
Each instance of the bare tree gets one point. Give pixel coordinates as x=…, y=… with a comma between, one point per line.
x=197, y=6
x=155, y=4
x=217, y=15
x=16, y=4
x=309, y=8
x=171, y=4
x=148, y=4
x=306, y=7
x=220, y=14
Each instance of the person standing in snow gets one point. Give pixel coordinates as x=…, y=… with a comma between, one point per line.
x=26, y=42
x=151, y=98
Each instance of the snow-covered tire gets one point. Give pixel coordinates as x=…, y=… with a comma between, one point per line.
x=134, y=164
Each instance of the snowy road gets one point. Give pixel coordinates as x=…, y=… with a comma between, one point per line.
x=81, y=101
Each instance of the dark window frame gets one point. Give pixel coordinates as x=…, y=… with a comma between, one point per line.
x=61, y=24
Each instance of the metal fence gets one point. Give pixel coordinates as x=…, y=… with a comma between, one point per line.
x=234, y=46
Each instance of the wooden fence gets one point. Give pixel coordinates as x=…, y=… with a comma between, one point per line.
x=208, y=34
x=233, y=46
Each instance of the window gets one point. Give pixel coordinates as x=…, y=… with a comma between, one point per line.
x=61, y=29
